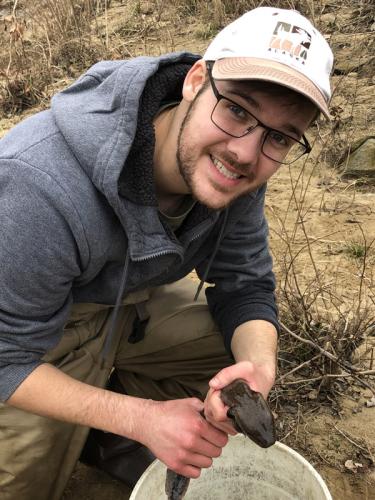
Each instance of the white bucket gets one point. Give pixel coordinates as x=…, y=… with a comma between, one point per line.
x=244, y=471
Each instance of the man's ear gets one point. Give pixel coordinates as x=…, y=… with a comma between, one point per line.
x=194, y=80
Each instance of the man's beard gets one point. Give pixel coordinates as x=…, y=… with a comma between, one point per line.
x=187, y=159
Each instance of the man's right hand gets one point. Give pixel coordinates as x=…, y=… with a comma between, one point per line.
x=174, y=431
x=179, y=436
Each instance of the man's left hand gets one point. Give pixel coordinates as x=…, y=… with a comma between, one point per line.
x=259, y=377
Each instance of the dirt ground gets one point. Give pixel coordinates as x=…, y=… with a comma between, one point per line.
x=328, y=220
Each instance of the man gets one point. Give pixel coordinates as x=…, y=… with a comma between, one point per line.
x=142, y=171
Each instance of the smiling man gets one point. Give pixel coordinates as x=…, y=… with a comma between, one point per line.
x=229, y=152
x=142, y=171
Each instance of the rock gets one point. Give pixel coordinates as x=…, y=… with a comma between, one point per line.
x=352, y=54
x=313, y=394
x=361, y=161
x=329, y=18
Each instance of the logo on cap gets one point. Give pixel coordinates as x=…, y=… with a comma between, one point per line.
x=292, y=40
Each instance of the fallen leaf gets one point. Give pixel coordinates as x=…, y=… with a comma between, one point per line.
x=352, y=466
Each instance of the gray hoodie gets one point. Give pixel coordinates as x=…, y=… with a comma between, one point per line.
x=65, y=230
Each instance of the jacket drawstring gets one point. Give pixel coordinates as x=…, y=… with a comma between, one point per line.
x=114, y=316
x=218, y=241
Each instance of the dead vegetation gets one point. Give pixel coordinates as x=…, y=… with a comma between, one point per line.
x=322, y=238
x=47, y=42
x=321, y=327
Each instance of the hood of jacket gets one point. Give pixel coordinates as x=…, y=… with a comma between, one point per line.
x=98, y=114
x=98, y=117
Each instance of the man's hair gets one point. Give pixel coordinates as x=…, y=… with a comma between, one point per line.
x=272, y=89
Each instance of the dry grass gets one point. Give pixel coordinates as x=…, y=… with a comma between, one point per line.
x=47, y=41
x=50, y=41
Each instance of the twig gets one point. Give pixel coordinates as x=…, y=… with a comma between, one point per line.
x=363, y=382
x=331, y=375
x=323, y=240
x=345, y=365
x=14, y=7
x=298, y=367
x=356, y=372
x=320, y=455
x=287, y=435
x=366, y=450
x=309, y=342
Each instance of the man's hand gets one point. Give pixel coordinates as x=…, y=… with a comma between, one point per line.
x=175, y=431
x=258, y=378
x=180, y=437
x=254, y=346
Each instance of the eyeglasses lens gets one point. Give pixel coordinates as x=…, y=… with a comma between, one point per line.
x=234, y=120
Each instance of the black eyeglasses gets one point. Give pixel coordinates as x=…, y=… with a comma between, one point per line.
x=231, y=118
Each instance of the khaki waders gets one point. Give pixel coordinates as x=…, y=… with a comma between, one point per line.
x=180, y=352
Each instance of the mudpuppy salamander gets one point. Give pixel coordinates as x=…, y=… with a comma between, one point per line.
x=251, y=416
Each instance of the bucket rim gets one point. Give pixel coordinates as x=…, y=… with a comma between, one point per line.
x=280, y=446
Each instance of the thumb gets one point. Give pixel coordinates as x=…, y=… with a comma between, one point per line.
x=231, y=373
x=221, y=379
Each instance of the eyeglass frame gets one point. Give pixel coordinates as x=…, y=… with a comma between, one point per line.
x=268, y=129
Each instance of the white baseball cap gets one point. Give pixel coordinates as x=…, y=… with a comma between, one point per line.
x=276, y=45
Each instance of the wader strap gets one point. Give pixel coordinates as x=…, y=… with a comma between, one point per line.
x=139, y=324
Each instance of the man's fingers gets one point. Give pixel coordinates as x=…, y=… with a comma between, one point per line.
x=215, y=436
x=216, y=413
x=189, y=471
x=200, y=461
x=193, y=462
x=226, y=427
x=221, y=422
x=215, y=409
x=197, y=404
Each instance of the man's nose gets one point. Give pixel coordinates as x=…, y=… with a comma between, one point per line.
x=246, y=149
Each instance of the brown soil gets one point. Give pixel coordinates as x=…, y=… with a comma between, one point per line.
x=329, y=221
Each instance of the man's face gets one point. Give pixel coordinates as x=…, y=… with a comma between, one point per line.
x=218, y=168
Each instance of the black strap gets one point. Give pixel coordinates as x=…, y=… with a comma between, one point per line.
x=138, y=332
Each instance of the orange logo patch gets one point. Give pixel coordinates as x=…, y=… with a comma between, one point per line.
x=292, y=40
